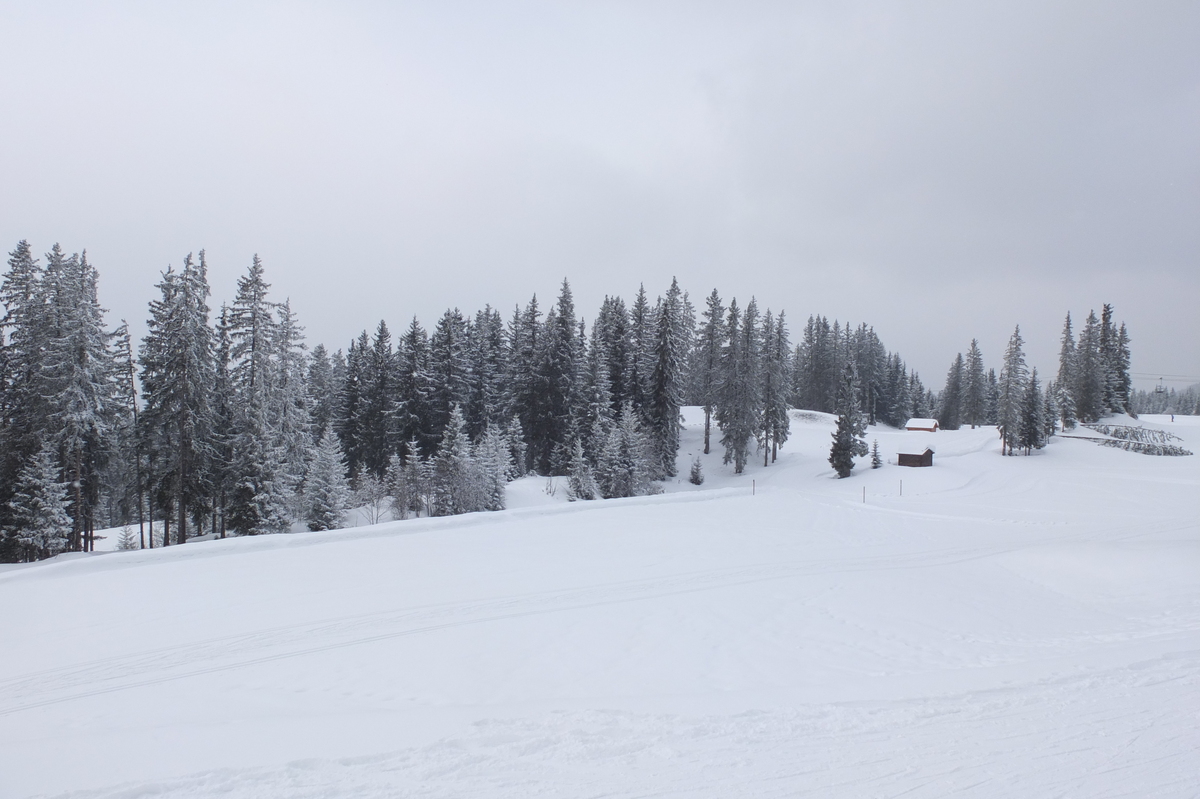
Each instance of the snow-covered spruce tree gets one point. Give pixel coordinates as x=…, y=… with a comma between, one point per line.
x=261, y=495
x=775, y=378
x=1050, y=412
x=454, y=474
x=39, y=521
x=901, y=407
x=1033, y=421
x=1108, y=359
x=706, y=360
x=177, y=378
x=597, y=397
x=559, y=359
x=624, y=466
x=848, y=439
x=127, y=540
x=641, y=319
x=23, y=419
x=374, y=423
x=1068, y=377
x=408, y=483
x=492, y=461
x=412, y=406
x=79, y=377
x=992, y=398
x=876, y=458
x=486, y=355
x=1123, y=364
x=974, y=388
x=448, y=367
x=739, y=405
x=1013, y=385
x=525, y=398
x=951, y=405
x=664, y=385
x=581, y=485
x=326, y=490
x=322, y=390
x=922, y=404
x=696, y=475
x=1090, y=372
x=290, y=414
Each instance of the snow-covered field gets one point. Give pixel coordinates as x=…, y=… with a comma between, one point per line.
x=1007, y=627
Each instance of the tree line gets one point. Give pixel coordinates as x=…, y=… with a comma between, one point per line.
x=223, y=422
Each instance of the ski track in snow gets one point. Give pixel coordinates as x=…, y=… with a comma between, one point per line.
x=1008, y=627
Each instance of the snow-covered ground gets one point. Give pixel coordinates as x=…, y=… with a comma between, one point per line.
x=1007, y=627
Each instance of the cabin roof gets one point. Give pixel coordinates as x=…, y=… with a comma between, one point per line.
x=914, y=449
x=921, y=423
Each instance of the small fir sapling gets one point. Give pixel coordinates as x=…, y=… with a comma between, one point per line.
x=696, y=477
x=127, y=540
x=876, y=460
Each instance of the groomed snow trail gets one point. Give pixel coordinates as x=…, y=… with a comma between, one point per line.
x=1007, y=627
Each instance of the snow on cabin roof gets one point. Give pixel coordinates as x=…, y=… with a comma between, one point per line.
x=914, y=449
x=921, y=423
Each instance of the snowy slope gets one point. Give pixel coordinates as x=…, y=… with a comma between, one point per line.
x=1007, y=627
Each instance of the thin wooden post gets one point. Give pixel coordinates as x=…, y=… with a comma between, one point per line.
x=901, y=488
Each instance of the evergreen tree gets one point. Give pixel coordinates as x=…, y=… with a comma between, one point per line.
x=581, y=484
x=1090, y=372
x=454, y=486
x=486, y=354
x=775, y=425
x=848, y=439
x=24, y=424
x=707, y=359
x=992, y=401
x=291, y=419
x=624, y=466
x=974, y=387
x=950, y=413
x=376, y=402
x=1033, y=421
x=412, y=411
x=1124, y=383
x=526, y=398
x=1068, y=377
x=78, y=376
x=739, y=405
x=326, y=489
x=491, y=457
x=559, y=358
x=40, y=523
x=876, y=458
x=1013, y=388
x=448, y=368
x=177, y=376
x=664, y=387
x=640, y=327
x=696, y=475
x=323, y=389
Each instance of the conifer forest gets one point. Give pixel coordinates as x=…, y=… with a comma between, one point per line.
x=223, y=421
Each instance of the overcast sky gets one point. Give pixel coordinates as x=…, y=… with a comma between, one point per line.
x=941, y=171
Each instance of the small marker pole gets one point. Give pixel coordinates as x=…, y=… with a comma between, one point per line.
x=864, y=495
x=752, y=487
x=901, y=488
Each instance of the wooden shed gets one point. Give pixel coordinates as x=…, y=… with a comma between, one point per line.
x=915, y=456
x=924, y=425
